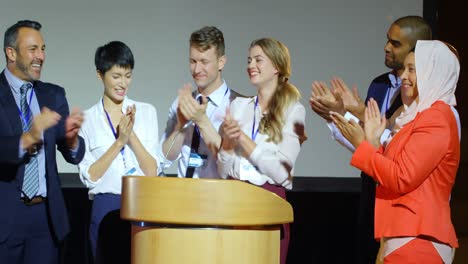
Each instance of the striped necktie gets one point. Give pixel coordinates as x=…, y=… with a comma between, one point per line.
x=31, y=170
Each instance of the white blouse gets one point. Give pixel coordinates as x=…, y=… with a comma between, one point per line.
x=98, y=138
x=274, y=162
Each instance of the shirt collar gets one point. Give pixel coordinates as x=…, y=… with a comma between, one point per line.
x=395, y=81
x=217, y=96
x=126, y=103
x=253, y=99
x=14, y=82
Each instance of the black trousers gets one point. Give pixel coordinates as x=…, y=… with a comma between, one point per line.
x=367, y=246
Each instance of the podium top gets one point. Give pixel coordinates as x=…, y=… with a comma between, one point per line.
x=201, y=202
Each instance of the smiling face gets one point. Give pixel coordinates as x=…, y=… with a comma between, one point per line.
x=397, y=47
x=260, y=69
x=116, y=83
x=409, y=86
x=25, y=60
x=205, y=67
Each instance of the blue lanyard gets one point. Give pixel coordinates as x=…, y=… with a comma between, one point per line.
x=112, y=128
x=22, y=116
x=255, y=132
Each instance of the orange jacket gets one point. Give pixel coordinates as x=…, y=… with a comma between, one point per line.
x=415, y=175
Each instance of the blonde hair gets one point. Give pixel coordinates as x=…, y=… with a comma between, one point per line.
x=285, y=94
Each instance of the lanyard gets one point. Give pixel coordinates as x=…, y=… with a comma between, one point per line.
x=24, y=116
x=255, y=132
x=112, y=128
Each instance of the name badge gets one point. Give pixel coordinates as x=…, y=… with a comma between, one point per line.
x=248, y=172
x=196, y=160
x=131, y=171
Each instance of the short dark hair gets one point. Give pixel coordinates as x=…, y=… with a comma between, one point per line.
x=416, y=28
x=113, y=53
x=11, y=34
x=208, y=37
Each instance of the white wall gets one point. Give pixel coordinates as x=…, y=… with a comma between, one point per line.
x=325, y=38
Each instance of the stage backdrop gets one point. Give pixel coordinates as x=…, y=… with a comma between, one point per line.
x=325, y=38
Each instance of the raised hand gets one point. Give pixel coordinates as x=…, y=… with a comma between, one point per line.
x=125, y=127
x=374, y=123
x=41, y=122
x=131, y=112
x=72, y=127
x=189, y=108
x=185, y=91
x=230, y=131
x=351, y=130
x=323, y=101
x=351, y=100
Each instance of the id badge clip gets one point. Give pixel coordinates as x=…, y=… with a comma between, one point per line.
x=131, y=171
x=196, y=160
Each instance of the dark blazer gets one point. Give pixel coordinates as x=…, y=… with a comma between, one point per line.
x=368, y=246
x=12, y=167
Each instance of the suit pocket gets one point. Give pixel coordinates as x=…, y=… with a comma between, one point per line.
x=408, y=202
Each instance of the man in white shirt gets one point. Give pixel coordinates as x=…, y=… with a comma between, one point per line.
x=191, y=135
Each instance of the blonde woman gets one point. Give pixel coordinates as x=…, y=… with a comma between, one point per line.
x=262, y=135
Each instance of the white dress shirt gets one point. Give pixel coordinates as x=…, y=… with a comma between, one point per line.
x=268, y=158
x=218, y=101
x=98, y=137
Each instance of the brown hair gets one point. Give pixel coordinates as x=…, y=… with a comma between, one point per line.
x=285, y=94
x=206, y=38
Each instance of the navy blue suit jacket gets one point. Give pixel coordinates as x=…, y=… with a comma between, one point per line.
x=368, y=247
x=12, y=167
x=378, y=89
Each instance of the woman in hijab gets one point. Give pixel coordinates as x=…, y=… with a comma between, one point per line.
x=415, y=168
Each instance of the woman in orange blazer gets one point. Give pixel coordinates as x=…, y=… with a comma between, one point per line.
x=415, y=168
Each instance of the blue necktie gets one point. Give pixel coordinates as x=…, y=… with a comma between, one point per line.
x=31, y=170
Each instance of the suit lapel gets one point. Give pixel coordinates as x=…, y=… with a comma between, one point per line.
x=42, y=95
x=8, y=103
x=381, y=93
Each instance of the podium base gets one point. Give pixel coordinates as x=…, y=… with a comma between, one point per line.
x=204, y=245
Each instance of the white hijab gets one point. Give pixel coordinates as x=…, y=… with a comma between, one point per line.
x=437, y=70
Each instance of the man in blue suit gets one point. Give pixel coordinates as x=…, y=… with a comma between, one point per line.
x=34, y=121
x=385, y=89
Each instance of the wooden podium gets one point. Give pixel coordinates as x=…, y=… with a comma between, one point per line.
x=178, y=220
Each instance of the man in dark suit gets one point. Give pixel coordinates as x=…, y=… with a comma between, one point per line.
x=385, y=89
x=34, y=120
